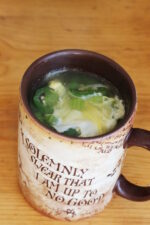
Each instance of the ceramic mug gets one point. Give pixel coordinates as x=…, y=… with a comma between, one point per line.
x=72, y=178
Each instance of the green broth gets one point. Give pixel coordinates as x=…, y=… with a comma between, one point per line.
x=78, y=104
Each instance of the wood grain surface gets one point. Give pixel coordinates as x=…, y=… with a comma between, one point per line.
x=119, y=29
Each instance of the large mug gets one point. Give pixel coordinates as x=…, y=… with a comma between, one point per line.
x=72, y=178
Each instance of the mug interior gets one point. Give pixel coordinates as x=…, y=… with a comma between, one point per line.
x=82, y=60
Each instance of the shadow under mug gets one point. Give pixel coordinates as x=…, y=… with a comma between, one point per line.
x=72, y=178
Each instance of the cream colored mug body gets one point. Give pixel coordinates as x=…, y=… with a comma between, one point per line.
x=63, y=177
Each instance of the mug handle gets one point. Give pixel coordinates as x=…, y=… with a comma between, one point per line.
x=141, y=138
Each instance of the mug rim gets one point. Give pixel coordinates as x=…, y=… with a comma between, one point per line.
x=62, y=52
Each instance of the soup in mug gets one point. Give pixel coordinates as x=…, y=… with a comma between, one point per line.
x=77, y=104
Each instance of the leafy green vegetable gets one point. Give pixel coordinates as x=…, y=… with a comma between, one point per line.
x=79, y=93
x=89, y=92
x=72, y=132
x=76, y=103
x=96, y=99
x=73, y=85
x=44, y=99
x=105, y=91
x=39, y=116
x=50, y=119
x=51, y=97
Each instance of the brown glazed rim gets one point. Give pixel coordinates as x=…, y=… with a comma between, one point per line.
x=78, y=52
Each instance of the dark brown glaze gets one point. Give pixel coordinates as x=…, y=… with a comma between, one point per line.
x=124, y=188
x=130, y=191
x=138, y=137
x=86, y=61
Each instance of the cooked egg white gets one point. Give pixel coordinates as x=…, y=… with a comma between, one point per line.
x=94, y=119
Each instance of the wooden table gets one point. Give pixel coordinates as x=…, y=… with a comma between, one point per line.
x=28, y=29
